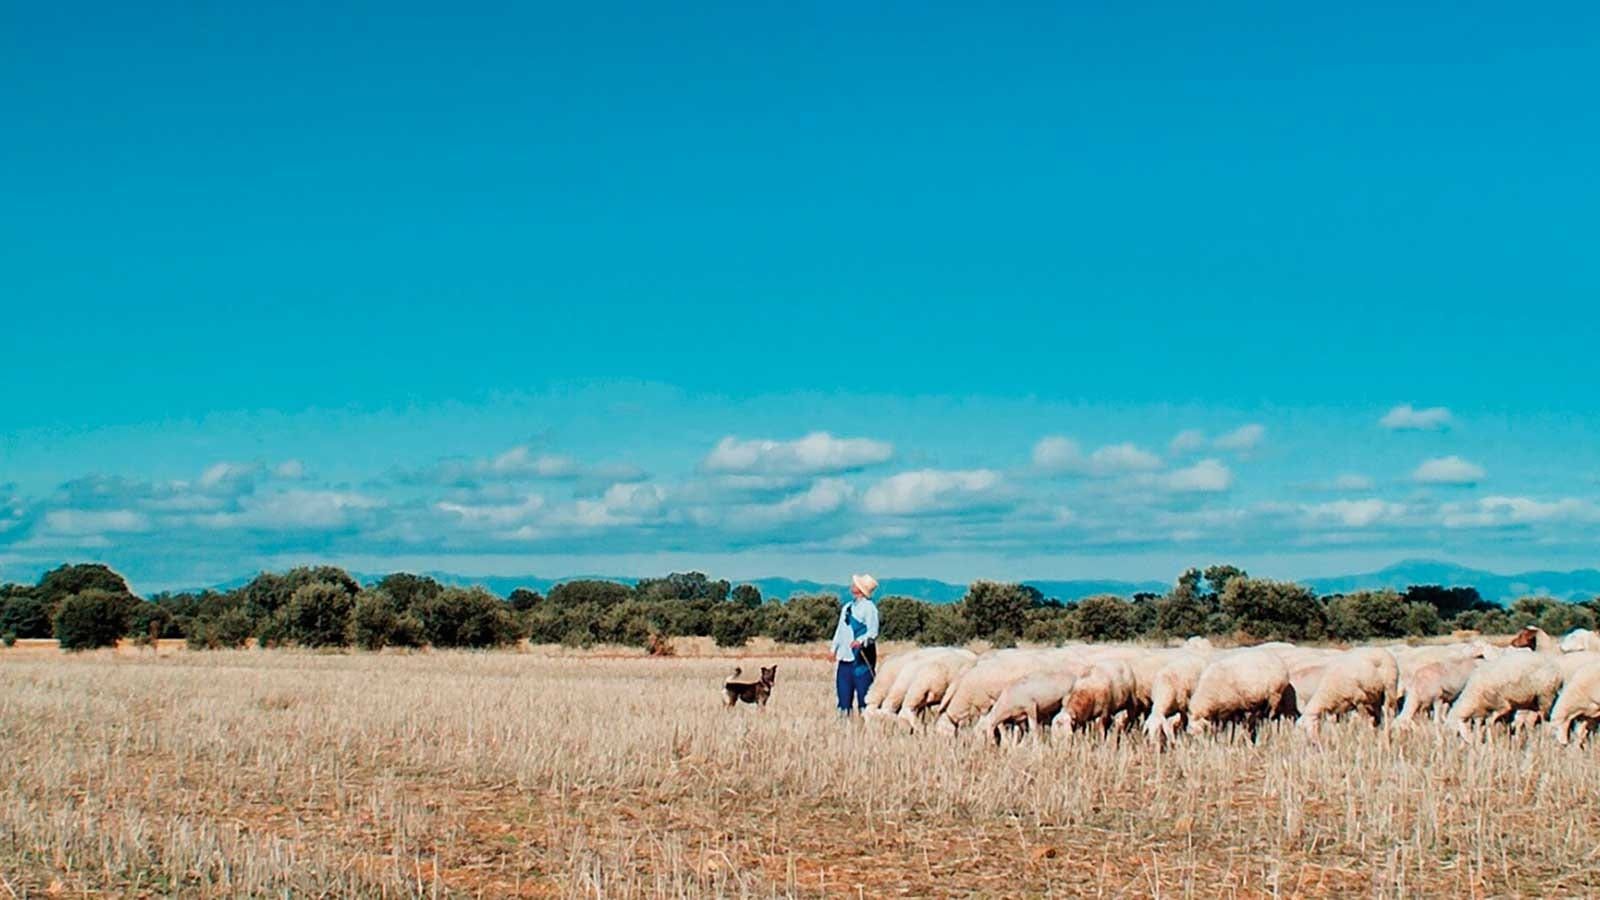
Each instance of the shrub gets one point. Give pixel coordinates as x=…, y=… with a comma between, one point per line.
x=599, y=593
x=227, y=630
x=9, y=639
x=1368, y=614
x=25, y=614
x=1104, y=618
x=148, y=620
x=1273, y=610
x=994, y=609
x=803, y=619
x=318, y=615
x=1049, y=625
x=374, y=620
x=630, y=623
x=93, y=618
x=946, y=625
x=1422, y=620
x=901, y=618
x=467, y=617
x=733, y=626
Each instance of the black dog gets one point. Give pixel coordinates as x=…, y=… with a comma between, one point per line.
x=742, y=688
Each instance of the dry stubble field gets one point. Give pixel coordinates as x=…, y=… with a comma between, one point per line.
x=541, y=773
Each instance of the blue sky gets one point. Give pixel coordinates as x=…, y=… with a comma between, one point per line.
x=553, y=289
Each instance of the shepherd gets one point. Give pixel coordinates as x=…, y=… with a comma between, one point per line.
x=855, y=644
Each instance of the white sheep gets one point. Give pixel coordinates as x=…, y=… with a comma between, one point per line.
x=1579, y=701
x=891, y=679
x=978, y=687
x=1366, y=679
x=1435, y=685
x=1242, y=687
x=933, y=678
x=1580, y=639
x=1035, y=700
x=1506, y=687
x=1103, y=695
x=1169, y=695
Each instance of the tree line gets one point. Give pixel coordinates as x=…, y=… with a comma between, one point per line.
x=89, y=605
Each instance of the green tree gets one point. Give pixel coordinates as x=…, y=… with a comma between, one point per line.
x=1273, y=610
x=1422, y=620
x=599, y=593
x=407, y=590
x=377, y=622
x=1104, y=618
x=630, y=623
x=901, y=618
x=1364, y=615
x=995, y=610
x=747, y=595
x=1219, y=576
x=24, y=613
x=90, y=619
x=947, y=626
x=732, y=626
x=229, y=629
x=56, y=584
x=1450, y=602
x=683, y=586
x=803, y=618
x=468, y=617
x=318, y=615
x=522, y=600
x=1565, y=617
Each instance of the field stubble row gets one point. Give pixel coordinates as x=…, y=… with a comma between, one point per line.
x=538, y=774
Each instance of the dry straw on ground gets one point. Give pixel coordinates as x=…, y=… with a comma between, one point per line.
x=554, y=773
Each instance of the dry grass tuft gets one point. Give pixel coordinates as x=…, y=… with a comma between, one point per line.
x=552, y=773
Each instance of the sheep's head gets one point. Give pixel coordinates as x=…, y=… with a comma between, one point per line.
x=1527, y=638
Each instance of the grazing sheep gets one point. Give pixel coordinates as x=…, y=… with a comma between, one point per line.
x=891, y=679
x=1100, y=696
x=1169, y=695
x=1435, y=685
x=1579, y=701
x=1242, y=687
x=1035, y=700
x=978, y=687
x=933, y=678
x=1580, y=639
x=1504, y=687
x=1570, y=663
x=1365, y=679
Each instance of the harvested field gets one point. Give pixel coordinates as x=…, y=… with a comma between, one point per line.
x=559, y=773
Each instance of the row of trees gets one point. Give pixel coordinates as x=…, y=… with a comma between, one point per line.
x=89, y=605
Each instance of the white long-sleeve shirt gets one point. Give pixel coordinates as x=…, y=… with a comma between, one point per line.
x=865, y=612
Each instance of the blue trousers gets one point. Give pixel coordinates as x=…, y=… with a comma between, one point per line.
x=852, y=681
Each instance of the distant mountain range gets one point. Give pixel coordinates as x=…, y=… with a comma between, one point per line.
x=1580, y=584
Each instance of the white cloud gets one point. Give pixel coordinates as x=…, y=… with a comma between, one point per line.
x=931, y=490
x=502, y=515
x=1448, y=470
x=1352, y=482
x=1245, y=437
x=1406, y=417
x=522, y=461
x=1356, y=513
x=1208, y=476
x=1491, y=511
x=94, y=521
x=290, y=470
x=1062, y=454
x=627, y=503
x=227, y=475
x=826, y=496
x=295, y=510
x=818, y=453
x=1187, y=441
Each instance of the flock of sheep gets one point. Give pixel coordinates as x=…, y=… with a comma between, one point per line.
x=1199, y=688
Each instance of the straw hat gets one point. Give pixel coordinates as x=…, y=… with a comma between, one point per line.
x=866, y=584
